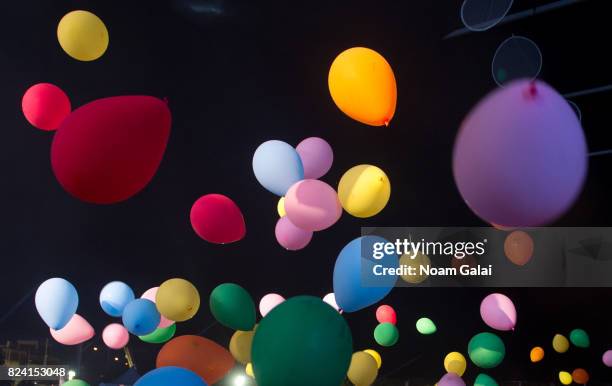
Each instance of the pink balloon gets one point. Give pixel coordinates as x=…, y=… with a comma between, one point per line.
x=268, y=302
x=330, y=299
x=498, y=312
x=45, y=106
x=317, y=157
x=607, y=358
x=115, y=336
x=386, y=314
x=291, y=237
x=312, y=205
x=451, y=379
x=150, y=295
x=78, y=330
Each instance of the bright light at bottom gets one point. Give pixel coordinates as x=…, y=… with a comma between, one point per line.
x=240, y=380
x=71, y=374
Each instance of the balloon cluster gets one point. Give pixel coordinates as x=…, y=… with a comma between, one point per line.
x=386, y=333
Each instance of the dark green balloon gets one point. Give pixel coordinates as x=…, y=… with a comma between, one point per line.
x=302, y=342
x=485, y=380
x=386, y=334
x=233, y=307
x=580, y=338
x=75, y=382
x=160, y=335
x=486, y=350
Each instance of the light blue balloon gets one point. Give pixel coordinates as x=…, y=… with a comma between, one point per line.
x=277, y=166
x=56, y=302
x=141, y=317
x=170, y=375
x=114, y=297
x=356, y=285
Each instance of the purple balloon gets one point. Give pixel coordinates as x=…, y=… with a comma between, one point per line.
x=312, y=205
x=451, y=379
x=498, y=312
x=607, y=358
x=291, y=237
x=520, y=157
x=317, y=157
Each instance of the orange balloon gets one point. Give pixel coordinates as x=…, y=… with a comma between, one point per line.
x=518, y=247
x=580, y=376
x=198, y=354
x=536, y=354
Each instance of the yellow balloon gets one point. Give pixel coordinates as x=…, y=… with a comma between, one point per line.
x=560, y=343
x=376, y=356
x=82, y=35
x=454, y=362
x=362, y=85
x=177, y=299
x=363, y=369
x=240, y=346
x=364, y=190
x=565, y=377
x=412, y=267
x=280, y=207
x=249, y=370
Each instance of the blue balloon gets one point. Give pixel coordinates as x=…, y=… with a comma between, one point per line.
x=141, y=317
x=277, y=166
x=114, y=297
x=356, y=285
x=170, y=375
x=56, y=302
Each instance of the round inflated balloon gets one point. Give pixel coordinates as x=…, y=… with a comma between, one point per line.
x=426, y=326
x=485, y=380
x=486, y=350
x=607, y=358
x=451, y=379
x=412, y=266
x=330, y=299
x=362, y=85
x=82, y=35
x=375, y=355
x=108, y=150
x=75, y=382
x=363, y=369
x=302, y=342
x=386, y=314
x=536, y=354
x=115, y=336
x=171, y=375
x=498, y=312
x=140, y=317
x=78, y=330
x=233, y=307
x=312, y=205
x=280, y=207
x=560, y=343
x=160, y=335
x=277, y=166
x=177, y=299
x=455, y=362
x=198, y=354
x=240, y=346
x=540, y=185
x=150, y=294
x=249, y=370
x=290, y=236
x=45, y=106
x=268, y=302
x=518, y=247
x=56, y=302
x=580, y=376
x=317, y=157
x=364, y=190
x=217, y=219
x=386, y=334
x=114, y=297
x=565, y=377
x=580, y=338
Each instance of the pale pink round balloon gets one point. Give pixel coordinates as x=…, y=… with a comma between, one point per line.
x=268, y=302
x=115, y=336
x=607, y=358
x=330, y=299
x=312, y=205
x=78, y=330
x=498, y=312
x=317, y=157
x=150, y=295
x=291, y=237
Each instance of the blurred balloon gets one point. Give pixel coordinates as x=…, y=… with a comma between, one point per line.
x=330, y=299
x=518, y=247
x=78, y=330
x=376, y=356
x=277, y=166
x=454, y=362
x=451, y=379
x=486, y=350
x=177, y=299
x=607, y=358
x=317, y=157
x=280, y=207
x=386, y=314
x=312, y=205
x=290, y=236
x=249, y=370
x=364, y=190
x=485, y=380
x=114, y=297
x=217, y=219
x=82, y=35
x=141, y=317
x=516, y=58
x=160, y=335
x=150, y=294
x=560, y=343
x=108, y=150
x=170, y=375
x=580, y=376
x=240, y=345
x=115, y=336
x=580, y=338
x=412, y=263
x=233, y=307
x=75, y=382
x=386, y=334
x=56, y=302
x=536, y=354
x=268, y=302
x=565, y=377
x=529, y=190
x=45, y=106
x=498, y=312
x=363, y=369
x=362, y=85
x=481, y=15
x=426, y=326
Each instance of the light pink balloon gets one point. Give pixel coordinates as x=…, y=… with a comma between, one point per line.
x=291, y=237
x=312, y=205
x=268, y=302
x=330, y=299
x=115, y=336
x=150, y=295
x=498, y=312
x=451, y=379
x=78, y=330
x=607, y=358
x=317, y=157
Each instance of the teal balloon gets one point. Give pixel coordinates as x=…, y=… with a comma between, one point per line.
x=166, y=376
x=233, y=307
x=580, y=338
x=277, y=166
x=486, y=350
x=75, y=382
x=302, y=342
x=141, y=317
x=485, y=380
x=426, y=326
x=160, y=335
x=386, y=334
x=56, y=301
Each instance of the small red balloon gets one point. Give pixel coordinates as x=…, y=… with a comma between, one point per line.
x=45, y=106
x=386, y=314
x=216, y=218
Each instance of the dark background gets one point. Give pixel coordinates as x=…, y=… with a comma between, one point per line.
x=257, y=71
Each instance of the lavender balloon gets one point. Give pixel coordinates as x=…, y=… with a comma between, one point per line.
x=607, y=358
x=312, y=205
x=451, y=379
x=520, y=157
x=498, y=312
x=291, y=237
x=317, y=157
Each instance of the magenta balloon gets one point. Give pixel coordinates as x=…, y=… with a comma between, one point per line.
x=451, y=379
x=498, y=312
x=520, y=157
x=268, y=302
x=312, y=205
x=115, y=336
x=607, y=358
x=291, y=237
x=317, y=157
x=78, y=330
x=150, y=295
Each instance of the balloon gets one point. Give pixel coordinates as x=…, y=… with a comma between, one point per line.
x=82, y=35
x=198, y=354
x=580, y=376
x=75, y=382
x=580, y=338
x=560, y=343
x=426, y=326
x=312, y=205
x=518, y=247
x=386, y=334
x=240, y=346
x=498, y=312
x=409, y=260
x=363, y=369
x=78, y=330
x=330, y=299
x=302, y=342
x=150, y=294
x=386, y=314
x=115, y=336
x=607, y=358
x=141, y=317
x=375, y=355
x=451, y=379
x=160, y=335
x=114, y=297
x=177, y=299
x=233, y=307
x=362, y=85
x=217, y=219
x=540, y=185
x=485, y=380
x=317, y=157
x=108, y=150
x=364, y=190
x=565, y=377
x=249, y=370
x=486, y=350
x=277, y=166
x=454, y=362
x=56, y=302
x=171, y=375
x=536, y=354
x=280, y=207
x=45, y=106
x=290, y=236
x=268, y=302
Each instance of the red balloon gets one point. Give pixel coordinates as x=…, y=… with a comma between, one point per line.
x=45, y=106
x=386, y=314
x=216, y=218
x=108, y=150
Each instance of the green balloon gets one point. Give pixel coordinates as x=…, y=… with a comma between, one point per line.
x=75, y=382
x=160, y=335
x=386, y=334
x=485, y=380
x=233, y=307
x=486, y=350
x=426, y=326
x=580, y=338
x=302, y=342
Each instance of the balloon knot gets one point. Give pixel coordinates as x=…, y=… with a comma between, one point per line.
x=386, y=123
x=532, y=90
